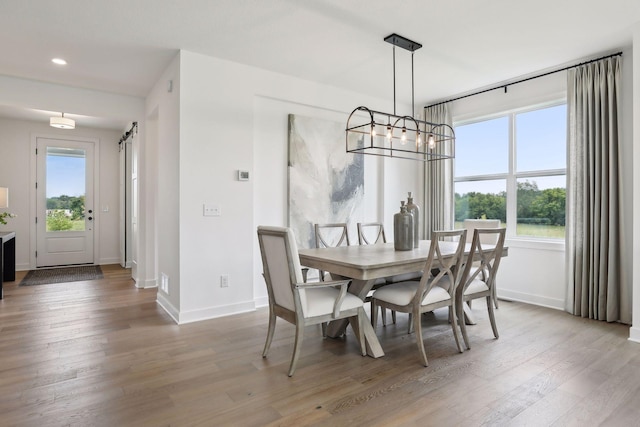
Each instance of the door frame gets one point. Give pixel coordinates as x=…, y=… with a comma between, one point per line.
x=33, y=244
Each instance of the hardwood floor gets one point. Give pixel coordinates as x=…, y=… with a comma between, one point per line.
x=102, y=353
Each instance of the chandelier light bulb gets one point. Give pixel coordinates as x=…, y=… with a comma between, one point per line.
x=404, y=134
x=389, y=131
x=432, y=141
x=373, y=130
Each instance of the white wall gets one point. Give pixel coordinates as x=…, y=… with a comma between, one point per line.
x=634, y=333
x=160, y=191
x=535, y=272
x=234, y=117
x=15, y=173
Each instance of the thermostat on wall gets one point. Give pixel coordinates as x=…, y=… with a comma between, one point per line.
x=243, y=175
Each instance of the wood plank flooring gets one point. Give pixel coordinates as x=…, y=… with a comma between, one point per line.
x=102, y=353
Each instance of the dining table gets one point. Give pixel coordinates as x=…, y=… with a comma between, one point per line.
x=363, y=264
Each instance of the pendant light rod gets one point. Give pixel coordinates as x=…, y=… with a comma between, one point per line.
x=394, y=80
x=411, y=46
x=413, y=103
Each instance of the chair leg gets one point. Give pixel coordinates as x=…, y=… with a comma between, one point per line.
x=494, y=296
x=272, y=328
x=324, y=329
x=410, y=324
x=374, y=314
x=463, y=323
x=383, y=313
x=393, y=316
x=492, y=317
x=454, y=326
x=296, y=348
x=417, y=320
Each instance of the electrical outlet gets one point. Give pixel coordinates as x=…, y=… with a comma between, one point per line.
x=164, y=283
x=224, y=281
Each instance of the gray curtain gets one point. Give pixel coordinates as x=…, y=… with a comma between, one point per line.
x=438, y=181
x=593, y=231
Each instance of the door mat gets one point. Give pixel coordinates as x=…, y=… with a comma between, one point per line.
x=61, y=275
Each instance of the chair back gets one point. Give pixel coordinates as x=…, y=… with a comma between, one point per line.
x=488, y=257
x=331, y=235
x=370, y=233
x=446, y=257
x=280, y=265
x=472, y=224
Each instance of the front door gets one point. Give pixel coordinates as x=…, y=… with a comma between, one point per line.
x=64, y=202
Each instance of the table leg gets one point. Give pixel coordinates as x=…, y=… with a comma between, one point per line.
x=468, y=314
x=374, y=349
x=337, y=328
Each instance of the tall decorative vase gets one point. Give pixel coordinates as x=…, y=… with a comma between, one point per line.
x=414, y=210
x=403, y=229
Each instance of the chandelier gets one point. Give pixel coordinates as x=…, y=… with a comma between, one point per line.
x=392, y=135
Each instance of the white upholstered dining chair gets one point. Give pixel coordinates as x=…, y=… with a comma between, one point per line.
x=426, y=295
x=300, y=303
x=479, y=282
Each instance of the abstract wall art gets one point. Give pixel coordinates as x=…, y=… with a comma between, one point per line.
x=326, y=184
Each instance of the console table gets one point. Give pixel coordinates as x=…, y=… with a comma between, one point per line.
x=7, y=258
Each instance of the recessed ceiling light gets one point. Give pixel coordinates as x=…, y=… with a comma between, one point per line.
x=59, y=61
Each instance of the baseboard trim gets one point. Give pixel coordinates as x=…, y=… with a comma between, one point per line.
x=146, y=284
x=214, y=312
x=23, y=267
x=166, y=305
x=539, y=300
x=261, y=302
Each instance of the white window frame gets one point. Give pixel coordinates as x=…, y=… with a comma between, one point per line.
x=511, y=176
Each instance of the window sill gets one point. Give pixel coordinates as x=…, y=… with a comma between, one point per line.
x=539, y=244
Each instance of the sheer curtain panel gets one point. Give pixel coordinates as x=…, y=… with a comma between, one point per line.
x=593, y=233
x=438, y=181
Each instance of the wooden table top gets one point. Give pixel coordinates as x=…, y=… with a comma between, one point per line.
x=367, y=262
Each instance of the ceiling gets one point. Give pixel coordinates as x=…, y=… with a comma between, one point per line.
x=122, y=46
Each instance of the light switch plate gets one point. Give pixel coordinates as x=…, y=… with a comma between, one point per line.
x=211, y=210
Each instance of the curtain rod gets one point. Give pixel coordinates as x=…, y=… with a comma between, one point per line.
x=524, y=80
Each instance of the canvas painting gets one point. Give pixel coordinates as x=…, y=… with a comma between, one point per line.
x=326, y=184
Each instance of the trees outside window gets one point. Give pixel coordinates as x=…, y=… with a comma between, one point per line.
x=513, y=168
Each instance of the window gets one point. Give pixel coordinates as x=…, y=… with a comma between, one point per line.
x=513, y=168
